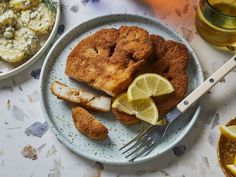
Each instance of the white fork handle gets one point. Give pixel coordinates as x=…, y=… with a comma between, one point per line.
x=207, y=84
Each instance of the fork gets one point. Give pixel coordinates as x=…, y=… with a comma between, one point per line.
x=144, y=142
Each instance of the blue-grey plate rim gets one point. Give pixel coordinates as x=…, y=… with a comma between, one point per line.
x=67, y=143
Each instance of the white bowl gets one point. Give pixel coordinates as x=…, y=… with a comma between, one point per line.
x=40, y=52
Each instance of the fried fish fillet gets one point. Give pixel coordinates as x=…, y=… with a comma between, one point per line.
x=109, y=59
x=81, y=97
x=170, y=59
x=88, y=125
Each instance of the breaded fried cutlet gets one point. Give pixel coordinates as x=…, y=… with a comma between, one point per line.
x=109, y=59
x=170, y=59
x=88, y=125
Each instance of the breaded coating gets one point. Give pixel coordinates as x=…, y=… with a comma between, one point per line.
x=109, y=59
x=88, y=125
x=80, y=96
x=172, y=63
x=125, y=118
x=170, y=59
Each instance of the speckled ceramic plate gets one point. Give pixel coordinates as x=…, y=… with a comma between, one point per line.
x=58, y=113
x=10, y=69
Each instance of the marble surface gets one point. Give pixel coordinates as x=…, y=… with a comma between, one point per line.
x=29, y=149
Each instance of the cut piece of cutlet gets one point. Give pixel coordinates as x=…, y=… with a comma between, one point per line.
x=88, y=125
x=81, y=97
x=109, y=59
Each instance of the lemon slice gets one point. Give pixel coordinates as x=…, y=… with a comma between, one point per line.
x=232, y=169
x=144, y=109
x=122, y=104
x=147, y=85
x=228, y=131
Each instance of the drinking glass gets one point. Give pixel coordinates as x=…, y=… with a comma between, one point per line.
x=216, y=22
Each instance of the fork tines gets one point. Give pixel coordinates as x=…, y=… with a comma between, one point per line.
x=139, y=144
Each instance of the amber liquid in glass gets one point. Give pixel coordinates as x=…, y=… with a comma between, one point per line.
x=216, y=22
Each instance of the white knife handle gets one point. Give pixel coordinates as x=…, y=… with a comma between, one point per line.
x=207, y=84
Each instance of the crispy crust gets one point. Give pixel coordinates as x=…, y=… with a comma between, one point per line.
x=171, y=62
x=108, y=59
x=170, y=59
x=125, y=118
x=88, y=125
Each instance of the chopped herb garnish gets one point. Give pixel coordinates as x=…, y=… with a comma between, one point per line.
x=51, y=5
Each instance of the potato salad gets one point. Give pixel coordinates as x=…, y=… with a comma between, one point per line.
x=24, y=27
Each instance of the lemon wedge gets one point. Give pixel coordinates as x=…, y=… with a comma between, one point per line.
x=232, y=169
x=144, y=109
x=228, y=131
x=147, y=85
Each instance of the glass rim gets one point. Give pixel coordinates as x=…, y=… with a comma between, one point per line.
x=217, y=11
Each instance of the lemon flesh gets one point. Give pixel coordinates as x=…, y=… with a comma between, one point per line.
x=144, y=109
x=147, y=85
x=122, y=104
x=228, y=131
x=232, y=169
